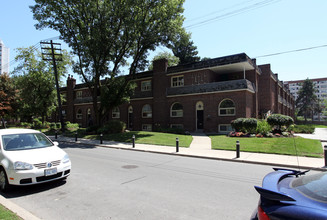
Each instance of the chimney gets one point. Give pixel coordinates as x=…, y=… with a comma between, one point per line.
x=160, y=66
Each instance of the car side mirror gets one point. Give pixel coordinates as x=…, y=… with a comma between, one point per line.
x=56, y=143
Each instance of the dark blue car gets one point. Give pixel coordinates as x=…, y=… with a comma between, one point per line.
x=291, y=194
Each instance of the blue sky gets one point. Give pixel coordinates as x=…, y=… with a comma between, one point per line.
x=221, y=28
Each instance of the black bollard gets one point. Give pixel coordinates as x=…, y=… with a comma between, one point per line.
x=101, y=138
x=133, y=139
x=76, y=136
x=56, y=135
x=237, y=149
x=177, y=145
x=325, y=153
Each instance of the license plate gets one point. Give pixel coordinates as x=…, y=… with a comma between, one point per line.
x=50, y=172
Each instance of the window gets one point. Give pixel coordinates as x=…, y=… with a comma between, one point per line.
x=177, y=126
x=79, y=94
x=63, y=113
x=79, y=114
x=146, y=86
x=146, y=127
x=147, y=111
x=176, y=110
x=226, y=108
x=115, y=113
x=225, y=129
x=177, y=81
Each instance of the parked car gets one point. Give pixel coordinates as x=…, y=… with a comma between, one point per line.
x=29, y=157
x=291, y=194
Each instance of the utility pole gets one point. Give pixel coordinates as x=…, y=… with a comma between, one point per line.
x=52, y=52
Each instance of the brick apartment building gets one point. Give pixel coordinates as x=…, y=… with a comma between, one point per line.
x=202, y=96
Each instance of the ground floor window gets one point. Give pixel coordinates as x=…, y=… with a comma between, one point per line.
x=147, y=111
x=79, y=114
x=147, y=127
x=225, y=128
x=115, y=113
x=178, y=126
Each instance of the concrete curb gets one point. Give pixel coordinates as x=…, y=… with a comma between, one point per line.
x=24, y=214
x=203, y=157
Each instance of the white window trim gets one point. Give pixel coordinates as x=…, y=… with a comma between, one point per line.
x=234, y=108
x=146, y=88
x=179, y=126
x=224, y=132
x=179, y=113
x=149, y=127
x=79, y=94
x=115, y=114
x=179, y=83
x=148, y=113
x=79, y=115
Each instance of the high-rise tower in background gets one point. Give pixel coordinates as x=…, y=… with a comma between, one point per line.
x=4, y=58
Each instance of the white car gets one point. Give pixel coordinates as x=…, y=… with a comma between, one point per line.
x=29, y=157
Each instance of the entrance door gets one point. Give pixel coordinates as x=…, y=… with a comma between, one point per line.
x=199, y=121
x=130, y=118
x=199, y=115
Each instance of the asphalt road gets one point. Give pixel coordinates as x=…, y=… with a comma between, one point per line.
x=121, y=184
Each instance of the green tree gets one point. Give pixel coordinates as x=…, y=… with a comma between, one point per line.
x=183, y=48
x=8, y=96
x=307, y=100
x=172, y=60
x=105, y=34
x=36, y=83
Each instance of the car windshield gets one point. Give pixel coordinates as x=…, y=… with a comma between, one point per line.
x=312, y=186
x=12, y=142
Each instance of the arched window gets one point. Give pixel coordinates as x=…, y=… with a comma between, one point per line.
x=79, y=114
x=147, y=111
x=176, y=110
x=226, y=108
x=115, y=113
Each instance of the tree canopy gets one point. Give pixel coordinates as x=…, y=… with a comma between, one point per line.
x=106, y=35
x=8, y=96
x=183, y=48
x=172, y=60
x=307, y=100
x=36, y=83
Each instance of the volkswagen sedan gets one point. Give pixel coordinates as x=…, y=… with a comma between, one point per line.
x=29, y=157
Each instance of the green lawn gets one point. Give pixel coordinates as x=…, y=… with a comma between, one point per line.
x=5, y=214
x=144, y=137
x=286, y=146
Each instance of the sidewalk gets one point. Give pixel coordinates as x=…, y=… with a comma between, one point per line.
x=201, y=148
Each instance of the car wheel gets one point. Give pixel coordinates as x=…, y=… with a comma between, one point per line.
x=4, y=185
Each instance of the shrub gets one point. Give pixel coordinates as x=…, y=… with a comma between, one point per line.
x=169, y=130
x=37, y=123
x=53, y=126
x=263, y=127
x=92, y=129
x=72, y=126
x=278, y=120
x=112, y=127
x=246, y=125
x=26, y=125
x=307, y=129
x=250, y=125
x=237, y=124
x=58, y=125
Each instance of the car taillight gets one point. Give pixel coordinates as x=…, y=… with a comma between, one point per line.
x=262, y=215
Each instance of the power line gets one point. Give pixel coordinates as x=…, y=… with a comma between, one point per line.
x=233, y=13
x=34, y=48
x=291, y=51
